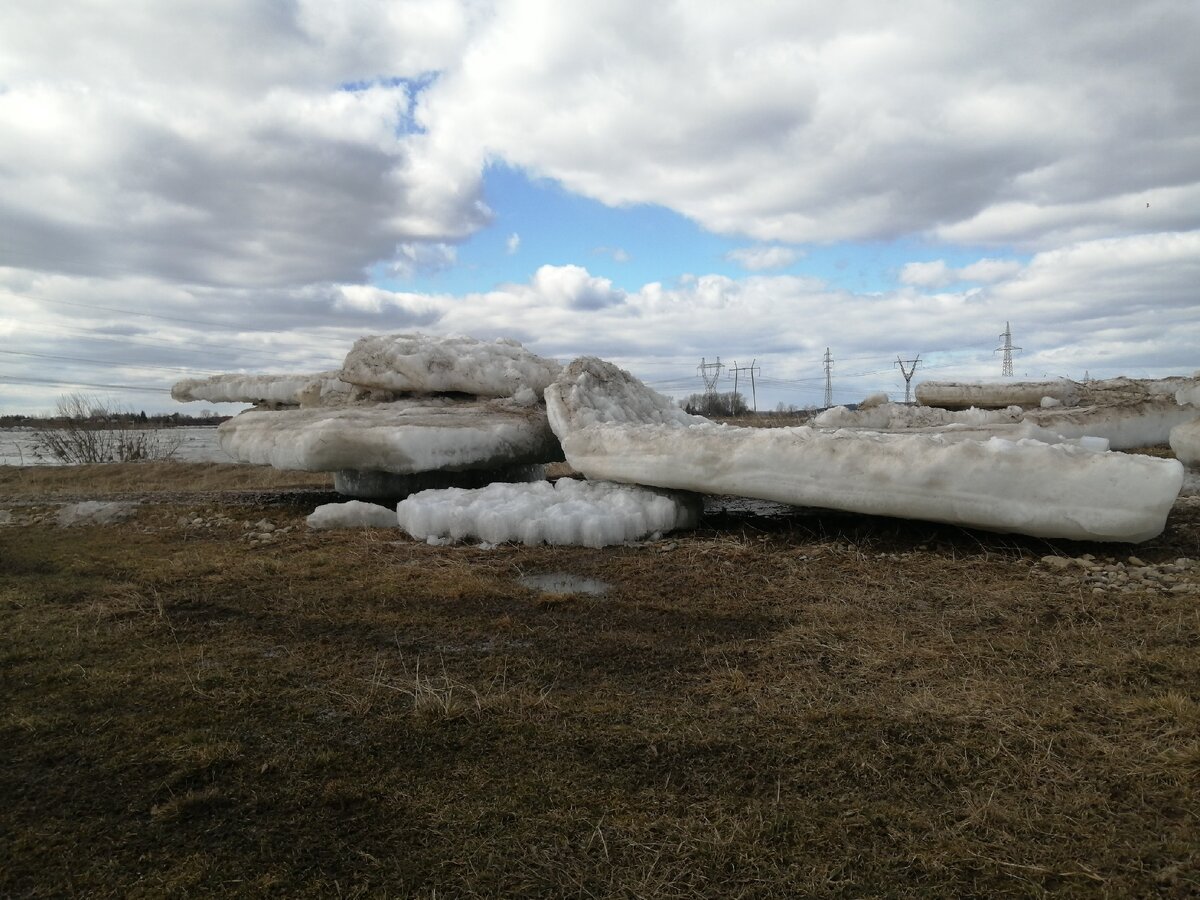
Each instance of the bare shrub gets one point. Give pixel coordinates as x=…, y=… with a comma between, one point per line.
x=87, y=430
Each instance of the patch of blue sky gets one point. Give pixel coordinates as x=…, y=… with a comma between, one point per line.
x=636, y=245
x=413, y=88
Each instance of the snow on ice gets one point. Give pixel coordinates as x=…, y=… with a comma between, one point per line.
x=613, y=427
x=567, y=512
x=421, y=363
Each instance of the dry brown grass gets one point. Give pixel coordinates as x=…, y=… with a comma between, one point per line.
x=819, y=706
x=106, y=478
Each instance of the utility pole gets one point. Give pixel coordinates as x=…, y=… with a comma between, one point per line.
x=1006, y=370
x=908, y=375
x=735, y=369
x=710, y=372
x=828, y=379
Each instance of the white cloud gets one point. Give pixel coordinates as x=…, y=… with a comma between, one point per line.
x=936, y=274
x=927, y=274
x=213, y=143
x=513, y=244
x=865, y=120
x=419, y=258
x=758, y=259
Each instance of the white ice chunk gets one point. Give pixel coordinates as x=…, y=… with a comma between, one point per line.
x=568, y=512
x=425, y=364
x=1050, y=402
x=352, y=514
x=95, y=512
x=269, y=390
x=1188, y=396
x=403, y=437
x=1046, y=490
x=897, y=416
x=1185, y=442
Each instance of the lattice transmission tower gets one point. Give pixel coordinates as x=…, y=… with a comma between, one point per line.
x=908, y=375
x=828, y=378
x=710, y=372
x=1006, y=370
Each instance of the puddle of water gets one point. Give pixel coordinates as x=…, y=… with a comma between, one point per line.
x=564, y=583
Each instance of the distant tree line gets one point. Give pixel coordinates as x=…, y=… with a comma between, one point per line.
x=112, y=417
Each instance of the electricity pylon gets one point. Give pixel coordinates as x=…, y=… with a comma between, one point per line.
x=828, y=379
x=710, y=372
x=751, y=369
x=908, y=375
x=1006, y=369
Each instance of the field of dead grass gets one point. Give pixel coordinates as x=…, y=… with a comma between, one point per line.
x=815, y=705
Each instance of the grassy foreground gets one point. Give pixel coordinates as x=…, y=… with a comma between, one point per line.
x=812, y=706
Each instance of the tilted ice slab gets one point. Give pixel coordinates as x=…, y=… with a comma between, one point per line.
x=613, y=427
x=1029, y=394
x=422, y=363
x=403, y=437
x=568, y=512
x=267, y=390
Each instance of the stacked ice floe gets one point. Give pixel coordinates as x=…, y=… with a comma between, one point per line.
x=612, y=427
x=406, y=412
x=410, y=412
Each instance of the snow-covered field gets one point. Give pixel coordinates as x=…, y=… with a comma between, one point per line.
x=195, y=444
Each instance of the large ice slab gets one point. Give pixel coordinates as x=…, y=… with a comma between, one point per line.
x=1030, y=487
x=995, y=394
x=1029, y=394
x=421, y=363
x=266, y=390
x=568, y=512
x=1126, y=425
x=403, y=437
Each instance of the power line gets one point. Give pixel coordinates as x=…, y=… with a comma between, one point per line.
x=50, y=382
x=103, y=362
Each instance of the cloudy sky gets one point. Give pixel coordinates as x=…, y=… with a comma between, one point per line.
x=190, y=188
